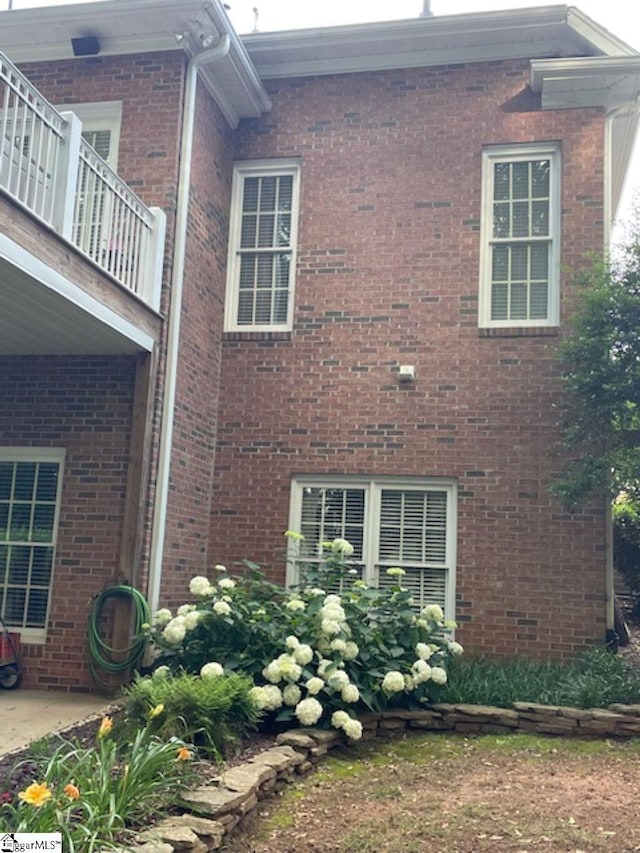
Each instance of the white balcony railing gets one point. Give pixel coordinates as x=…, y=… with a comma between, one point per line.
x=48, y=168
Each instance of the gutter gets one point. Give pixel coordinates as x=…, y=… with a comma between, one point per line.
x=194, y=65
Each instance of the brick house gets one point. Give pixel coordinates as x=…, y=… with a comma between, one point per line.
x=320, y=287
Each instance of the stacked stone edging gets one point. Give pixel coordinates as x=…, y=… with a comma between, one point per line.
x=211, y=811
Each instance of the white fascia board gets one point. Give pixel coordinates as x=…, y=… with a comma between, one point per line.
x=51, y=279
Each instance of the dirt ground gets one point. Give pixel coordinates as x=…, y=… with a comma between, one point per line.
x=448, y=794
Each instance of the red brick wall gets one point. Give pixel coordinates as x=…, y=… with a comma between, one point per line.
x=192, y=461
x=84, y=405
x=387, y=275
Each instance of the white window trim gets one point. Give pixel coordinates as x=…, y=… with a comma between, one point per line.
x=513, y=154
x=100, y=115
x=373, y=487
x=37, y=636
x=242, y=170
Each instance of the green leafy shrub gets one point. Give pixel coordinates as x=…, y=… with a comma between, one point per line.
x=313, y=656
x=213, y=712
x=94, y=794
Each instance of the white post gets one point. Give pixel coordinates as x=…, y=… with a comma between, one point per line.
x=66, y=184
x=151, y=268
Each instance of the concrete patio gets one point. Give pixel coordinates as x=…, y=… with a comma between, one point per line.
x=26, y=715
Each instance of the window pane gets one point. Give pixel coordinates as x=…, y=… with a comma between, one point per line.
x=283, y=235
x=520, y=180
x=41, y=566
x=268, y=189
x=266, y=225
x=499, y=301
x=540, y=174
x=6, y=480
x=19, y=559
x=412, y=526
x=36, y=615
x=250, y=196
x=501, y=220
x=540, y=218
x=47, y=487
x=43, y=516
x=500, y=270
x=518, y=302
x=501, y=181
x=24, y=481
x=285, y=193
x=519, y=263
x=20, y=527
x=247, y=271
x=520, y=226
x=249, y=231
x=4, y=521
x=14, y=606
x=539, y=298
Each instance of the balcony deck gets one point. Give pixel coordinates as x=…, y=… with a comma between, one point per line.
x=80, y=253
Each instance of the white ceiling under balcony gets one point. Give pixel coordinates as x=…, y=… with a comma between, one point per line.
x=47, y=315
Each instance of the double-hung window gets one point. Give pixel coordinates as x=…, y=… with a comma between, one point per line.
x=262, y=246
x=390, y=522
x=519, y=277
x=30, y=487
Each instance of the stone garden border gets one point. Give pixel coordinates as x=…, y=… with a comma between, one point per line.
x=211, y=811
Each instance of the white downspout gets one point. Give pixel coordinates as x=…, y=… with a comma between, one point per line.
x=610, y=117
x=173, y=335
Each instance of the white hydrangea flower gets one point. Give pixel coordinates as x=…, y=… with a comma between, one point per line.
x=396, y=572
x=438, y=675
x=351, y=651
x=185, y=608
x=323, y=665
x=393, y=682
x=162, y=617
x=422, y=623
x=258, y=697
x=332, y=599
x=353, y=729
x=338, y=645
x=226, y=583
x=289, y=668
x=272, y=672
x=174, y=632
x=308, y=711
x=291, y=694
x=303, y=654
x=450, y=624
x=199, y=585
x=333, y=611
x=292, y=642
x=330, y=627
x=222, y=608
x=273, y=697
x=295, y=604
x=423, y=651
x=339, y=719
x=421, y=671
x=433, y=612
x=161, y=672
x=455, y=648
x=314, y=685
x=315, y=590
x=338, y=679
x=212, y=670
x=350, y=693
x=409, y=683
x=342, y=547
x=192, y=619
x=219, y=568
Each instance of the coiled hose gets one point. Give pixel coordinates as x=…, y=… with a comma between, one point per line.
x=101, y=655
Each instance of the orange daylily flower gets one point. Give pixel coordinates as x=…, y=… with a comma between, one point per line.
x=36, y=794
x=184, y=754
x=105, y=727
x=72, y=791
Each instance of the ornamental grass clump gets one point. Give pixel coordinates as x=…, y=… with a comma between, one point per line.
x=96, y=795
x=319, y=653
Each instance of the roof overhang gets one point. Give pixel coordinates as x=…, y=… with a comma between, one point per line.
x=610, y=83
x=545, y=31
x=143, y=26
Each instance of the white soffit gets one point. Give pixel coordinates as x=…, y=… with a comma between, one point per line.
x=139, y=27
x=601, y=81
x=452, y=39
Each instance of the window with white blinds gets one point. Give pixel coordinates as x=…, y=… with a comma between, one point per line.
x=521, y=235
x=262, y=246
x=30, y=487
x=410, y=524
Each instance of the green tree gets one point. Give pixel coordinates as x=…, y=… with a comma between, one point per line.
x=602, y=356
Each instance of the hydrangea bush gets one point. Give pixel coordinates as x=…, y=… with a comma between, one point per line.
x=314, y=655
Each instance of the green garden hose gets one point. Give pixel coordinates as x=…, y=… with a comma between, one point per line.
x=101, y=655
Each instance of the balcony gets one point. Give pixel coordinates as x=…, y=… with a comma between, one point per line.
x=80, y=253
